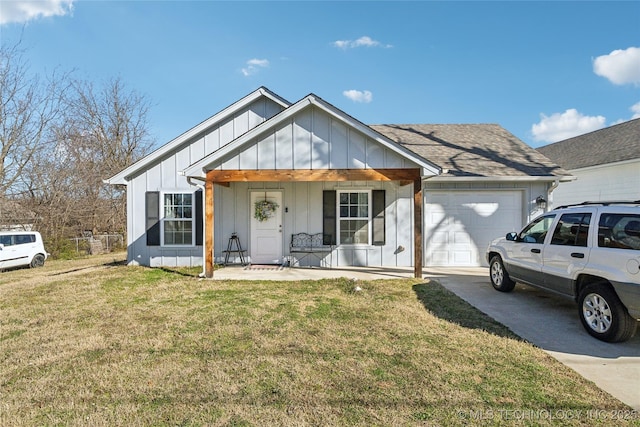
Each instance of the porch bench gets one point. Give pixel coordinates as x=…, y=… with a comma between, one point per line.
x=310, y=244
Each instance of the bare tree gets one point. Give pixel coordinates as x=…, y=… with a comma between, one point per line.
x=28, y=108
x=59, y=138
x=111, y=123
x=104, y=130
x=50, y=195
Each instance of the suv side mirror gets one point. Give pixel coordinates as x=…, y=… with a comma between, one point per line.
x=512, y=236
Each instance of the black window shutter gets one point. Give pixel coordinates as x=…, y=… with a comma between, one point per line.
x=377, y=217
x=329, y=217
x=152, y=214
x=199, y=222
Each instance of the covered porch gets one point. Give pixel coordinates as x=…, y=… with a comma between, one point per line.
x=225, y=178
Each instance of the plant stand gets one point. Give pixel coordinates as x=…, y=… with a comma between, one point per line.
x=234, y=247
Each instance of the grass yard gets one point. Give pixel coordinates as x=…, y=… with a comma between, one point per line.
x=94, y=342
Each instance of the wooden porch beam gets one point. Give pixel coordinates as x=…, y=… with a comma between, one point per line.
x=208, y=229
x=417, y=228
x=280, y=175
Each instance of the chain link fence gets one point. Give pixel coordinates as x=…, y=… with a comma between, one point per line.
x=98, y=243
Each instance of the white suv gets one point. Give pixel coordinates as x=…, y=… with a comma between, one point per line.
x=590, y=252
x=21, y=248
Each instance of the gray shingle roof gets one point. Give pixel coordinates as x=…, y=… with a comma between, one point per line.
x=472, y=150
x=609, y=145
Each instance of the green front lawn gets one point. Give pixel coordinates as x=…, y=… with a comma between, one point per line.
x=117, y=345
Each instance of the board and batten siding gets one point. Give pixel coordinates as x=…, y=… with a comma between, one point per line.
x=614, y=181
x=312, y=139
x=163, y=176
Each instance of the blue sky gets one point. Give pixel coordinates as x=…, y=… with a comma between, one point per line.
x=545, y=71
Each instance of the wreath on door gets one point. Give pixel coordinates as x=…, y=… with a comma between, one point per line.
x=264, y=209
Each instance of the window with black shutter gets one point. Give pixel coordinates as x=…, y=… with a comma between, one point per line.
x=354, y=217
x=171, y=220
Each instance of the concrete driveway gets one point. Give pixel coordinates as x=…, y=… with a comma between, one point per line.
x=551, y=322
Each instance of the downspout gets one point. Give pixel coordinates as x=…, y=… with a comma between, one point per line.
x=200, y=186
x=553, y=186
x=423, y=214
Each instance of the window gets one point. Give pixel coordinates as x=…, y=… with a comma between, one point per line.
x=620, y=231
x=17, y=239
x=537, y=230
x=353, y=217
x=572, y=230
x=22, y=239
x=177, y=222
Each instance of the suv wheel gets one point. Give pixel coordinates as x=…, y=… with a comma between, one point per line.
x=37, y=261
x=603, y=315
x=499, y=277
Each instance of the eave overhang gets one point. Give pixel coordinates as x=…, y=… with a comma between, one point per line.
x=444, y=178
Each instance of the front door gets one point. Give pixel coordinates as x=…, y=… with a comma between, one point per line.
x=266, y=227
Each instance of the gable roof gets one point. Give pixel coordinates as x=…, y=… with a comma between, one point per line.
x=176, y=143
x=614, y=144
x=474, y=151
x=197, y=168
x=443, y=151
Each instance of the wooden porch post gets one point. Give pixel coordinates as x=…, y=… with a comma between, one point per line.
x=208, y=228
x=417, y=228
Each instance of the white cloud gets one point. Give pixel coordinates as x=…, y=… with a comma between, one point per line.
x=27, y=10
x=635, y=109
x=258, y=62
x=365, y=41
x=620, y=66
x=358, y=96
x=560, y=126
x=342, y=44
x=254, y=65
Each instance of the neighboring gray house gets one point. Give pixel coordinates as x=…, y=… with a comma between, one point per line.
x=605, y=162
x=387, y=195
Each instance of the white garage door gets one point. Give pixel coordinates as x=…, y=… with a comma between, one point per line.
x=460, y=224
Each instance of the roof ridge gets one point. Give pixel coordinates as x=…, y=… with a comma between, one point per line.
x=606, y=128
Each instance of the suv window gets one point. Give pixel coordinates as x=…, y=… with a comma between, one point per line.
x=619, y=231
x=572, y=230
x=537, y=230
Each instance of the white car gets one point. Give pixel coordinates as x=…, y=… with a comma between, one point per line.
x=590, y=252
x=21, y=248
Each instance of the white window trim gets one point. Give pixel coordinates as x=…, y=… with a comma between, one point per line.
x=163, y=219
x=339, y=218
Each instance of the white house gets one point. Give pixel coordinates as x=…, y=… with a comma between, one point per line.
x=386, y=195
x=606, y=164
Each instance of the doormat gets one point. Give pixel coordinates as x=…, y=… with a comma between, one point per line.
x=263, y=267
